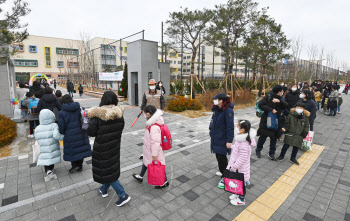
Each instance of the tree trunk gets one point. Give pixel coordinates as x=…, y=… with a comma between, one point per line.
x=194, y=53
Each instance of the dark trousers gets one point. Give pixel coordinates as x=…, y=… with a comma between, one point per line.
x=294, y=151
x=32, y=126
x=144, y=169
x=262, y=141
x=49, y=167
x=222, y=162
x=311, y=124
x=78, y=163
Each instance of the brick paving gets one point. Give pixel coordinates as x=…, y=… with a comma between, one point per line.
x=323, y=193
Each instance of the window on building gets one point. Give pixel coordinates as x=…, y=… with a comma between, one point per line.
x=104, y=56
x=179, y=62
x=170, y=61
x=179, y=69
x=47, y=56
x=179, y=55
x=150, y=75
x=173, y=69
x=62, y=77
x=32, y=48
x=73, y=64
x=203, y=50
x=125, y=49
x=60, y=64
x=184, y=70
x=125, y=58
x=120, y=48
x=26, y=63
x=173, y=54
x=188, y=70
x=188, y=63
x=69, y=51
x=104, y=66
x=18, y=47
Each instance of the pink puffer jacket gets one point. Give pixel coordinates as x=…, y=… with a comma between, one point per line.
x=153, y=139
x=240, y=155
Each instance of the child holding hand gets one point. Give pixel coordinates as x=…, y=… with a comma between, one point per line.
x=240, y=155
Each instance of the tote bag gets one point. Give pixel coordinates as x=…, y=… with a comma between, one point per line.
x=272, y=121
x=234, y=182
x=36, y=151
x=156, y=174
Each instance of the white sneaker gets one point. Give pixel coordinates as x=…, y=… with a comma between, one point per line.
x=31, y=136
x=218, y=174
x=233, y=196
x=51, y=175
x=237, y=202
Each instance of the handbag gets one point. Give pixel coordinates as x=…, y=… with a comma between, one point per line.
x=36, y=151
x=156, y=174
x=234, y=182
x=272, y=121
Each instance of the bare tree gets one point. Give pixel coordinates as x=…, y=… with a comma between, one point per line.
x=312, y=51
x=296, y=46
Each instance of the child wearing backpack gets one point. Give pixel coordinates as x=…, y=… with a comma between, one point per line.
x=296, y=129
x=240, y=155
x=48, y=136
x=153, y=141
x=33, y=114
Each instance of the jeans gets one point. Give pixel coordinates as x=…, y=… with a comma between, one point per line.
x=71, y=93
x=339, y=109
x=318, y=105
x=294, y=151
x=24, y=114
x=261, y=142
x=333, y=111
x=116, y=186
x=222, y=163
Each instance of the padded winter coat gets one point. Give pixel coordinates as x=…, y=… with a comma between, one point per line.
x=76, y=141
x=48, y=136
x=241, y=151
x=292, y=98
x=221, y=129
x=267, y=106
x=51, y=102
x=296, y=129
x=106, y=124
x=152, y=139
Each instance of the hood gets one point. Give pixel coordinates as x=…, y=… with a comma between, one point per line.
x=49, y=98
x=107, y=112
x=156, y=118
x=46, y=117
x=306, y=113
x=71, y=107
x=243, y=137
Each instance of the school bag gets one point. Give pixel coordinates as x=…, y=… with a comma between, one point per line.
x=84, y=120
x=33, y=106
x=167, y=141
x=260, y=112
x=272, y=121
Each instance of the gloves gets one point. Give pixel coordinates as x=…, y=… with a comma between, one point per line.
x=304, y=134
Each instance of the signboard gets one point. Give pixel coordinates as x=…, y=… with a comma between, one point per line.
x=110, y=76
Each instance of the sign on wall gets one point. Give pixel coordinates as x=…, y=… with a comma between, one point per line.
x=111, y=76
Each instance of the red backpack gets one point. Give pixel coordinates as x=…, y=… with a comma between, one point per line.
x=167, y=141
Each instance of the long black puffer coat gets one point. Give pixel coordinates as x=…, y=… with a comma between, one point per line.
x=51, y=102
x=106, y=124
x=292, y=97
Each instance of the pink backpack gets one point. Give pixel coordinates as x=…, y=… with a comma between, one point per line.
x=167, y=141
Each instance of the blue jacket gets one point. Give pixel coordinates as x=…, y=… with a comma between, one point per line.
x=221, y=129
x=76, y=141
x=48, y=135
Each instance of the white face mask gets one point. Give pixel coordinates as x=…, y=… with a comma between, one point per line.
x=152, y=87
x=216, y=102
x=160, y=85
x=294, y=88
x=302, y=96
x=299, y=111
x=282, y=84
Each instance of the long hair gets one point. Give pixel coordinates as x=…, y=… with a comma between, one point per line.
x=226, y=103
x=245, y=124
x=109, y=98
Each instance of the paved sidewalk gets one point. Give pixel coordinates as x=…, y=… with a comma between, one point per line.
x=193, y=193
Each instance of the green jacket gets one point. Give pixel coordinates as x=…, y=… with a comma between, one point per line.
x=296, y=129
x=340, y=101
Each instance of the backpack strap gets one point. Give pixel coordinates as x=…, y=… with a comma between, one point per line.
x=149, y=128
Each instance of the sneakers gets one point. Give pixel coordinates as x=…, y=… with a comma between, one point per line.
x=51, y=175
x=338, y=112
x=279, y=158
x=123, y=200
x=137, y=177
x=294, y=161
x=31, y=136
x=163, y=186
x=258, y=154
x=237, y=202
x=104, y=193
x=141, y=157
x=218, y=174
x=272, y=156
x=75, y=169
x=233, y=196
x=221, y=183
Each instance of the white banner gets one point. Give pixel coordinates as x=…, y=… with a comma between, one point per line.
x=111, y=76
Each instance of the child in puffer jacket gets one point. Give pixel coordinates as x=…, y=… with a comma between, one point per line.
x=48, y=137
x=240, y=155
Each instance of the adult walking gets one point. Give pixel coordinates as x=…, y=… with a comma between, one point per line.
x=49, y=101
x=70, y=88
x=310, y=106
x=36, y=89
x=20, y=95
x=333, y=100
x=81, y=90
x=54, y=84
x=76, y=141
x=107, y=124
x=153, y=97
x=221, y=131
x=160, y=87
x=292, y=97
x=152, y=151
x=272, y=120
